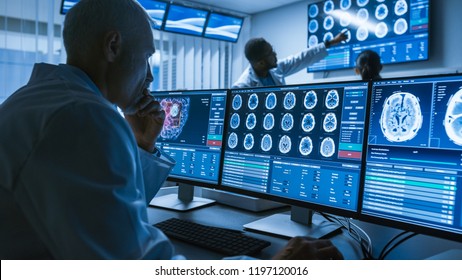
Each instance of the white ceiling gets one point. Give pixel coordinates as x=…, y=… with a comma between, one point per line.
x=245, y=6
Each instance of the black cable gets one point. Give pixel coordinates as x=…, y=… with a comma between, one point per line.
x=397, y=243
x=386, y=250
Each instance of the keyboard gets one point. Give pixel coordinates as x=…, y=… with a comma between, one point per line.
x=228, y=242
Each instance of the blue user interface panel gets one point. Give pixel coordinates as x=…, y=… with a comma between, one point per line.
x=397, y=30
x=186, y=20
x=156, y=10
x=414, y=153
x=223, y=27
x=302, y=143
x=193, y=132
x=66, y=5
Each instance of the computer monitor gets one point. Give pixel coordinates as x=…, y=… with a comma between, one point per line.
x=300, y=145
x=413, y=176
x=223, y=27
x=193, y=136
x=185, y=20
x=397, y=30
x=156, y=10
x=66, y=5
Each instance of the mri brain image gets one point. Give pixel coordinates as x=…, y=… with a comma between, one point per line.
x=330, y=122
x=328, y=7
x=308, y=122
x=345, y=4
x=347, y=32
x=237, y=102
x=328, y=23
x=248, y=141
x=328, y=36
x=313, y=26
x=327, y=148
x=235, y=121
x=362, y=33
x=362, y=3
x=401, y=117
x=268, y=121
x=176, y=115
x=381, y=30
x=332, y=99
x=287, y=122
x=306, y=146
x=345, y=19
x=453, y=118
x=251, y=121
x=266, y=143
x=271, y=101
x=381, y=12
x=401, y=7
x=253, y=101
x=313, y=41
x=311, y=99
x=289, y=101
x=400, y=26
x=232, y=140
x=362, y=15
x=285, y=144
x=313, y=11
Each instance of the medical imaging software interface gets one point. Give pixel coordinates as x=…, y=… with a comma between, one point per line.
x=192, y=132
x=414, y=153
x=302, y=143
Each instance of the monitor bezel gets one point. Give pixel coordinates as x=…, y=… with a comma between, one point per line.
x=387, y=221
x=204, y=34
x=294, y=202
x=173, y=4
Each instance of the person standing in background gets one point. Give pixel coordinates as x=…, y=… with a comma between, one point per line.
x=368, y=65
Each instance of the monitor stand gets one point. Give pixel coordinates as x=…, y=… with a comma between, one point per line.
x=300, y=222
x=183, y=201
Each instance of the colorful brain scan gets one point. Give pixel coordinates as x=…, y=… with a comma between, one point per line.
x=400, y=26
x=313, y=41
x=266, y=143
x=327, y=148
x=271, y=101
x=328, y=23
x=235, y=121
x=453, y=118
x=268, y=121
x=285, y=144
x=362, y=33
x=232, y=140
x=330, y=122
x=345, y=4
x=362, y=15
x=289, y=100
x=237, y=102
x=381, y=12
x=251, y=121
x=328, y=36
x=362, y=3
x=401, y=117
x=332, y=99
x=306, y=146
x=329, y=7
x=308, y=122
x=401, y=7
x=313, y=11
x=253, y=101
x=287, y=122
x=248, y=141
x=311, y=99
x=347, y=32
x=313, y=26
x=381, y=30
x=176, y=115
x=345, y=19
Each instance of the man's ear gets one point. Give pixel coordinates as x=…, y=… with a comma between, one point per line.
x=112, y=45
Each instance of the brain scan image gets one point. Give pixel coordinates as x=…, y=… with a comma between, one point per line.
x=248, y=141
x=327, y=148
x=176, y=115
x=266, y=143
x=401, y=117
x=313, y=11
x=345, y=4
x=400, y=7
x=328, y=23
x=235, y=121
x=400, y=26
x=237, y=102
x=362, y=33
x=362, y=3
x=253, y=101
x=313, y=41
x=289, y=101
x=313, y=26
x=271, y=101
x=232, y=140
x=285, y=144
x=268, y=121
x=251, y=121
x=330, y=122
x=287, y=122
x=328, y=7
x=332, y=99
x=381, y=12
x=308, y=122
x=306, y=146
x=348, y=33
x=328, y=36
x=380, y=1
x=311, y=99
x=453, y=118
x=345, y=19
x=381, y=30
x=362, y=15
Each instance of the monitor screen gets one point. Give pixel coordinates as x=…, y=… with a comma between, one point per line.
x=156, y=10
x=223, y=27
x=186, y=20
x=192, y=133
x=66, y=5
x=397, y=30
x=413, y=176
x=301, y=145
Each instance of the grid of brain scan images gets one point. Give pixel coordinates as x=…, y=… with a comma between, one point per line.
x=294, y=141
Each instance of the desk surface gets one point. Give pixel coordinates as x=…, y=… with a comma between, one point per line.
x=418, y=247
